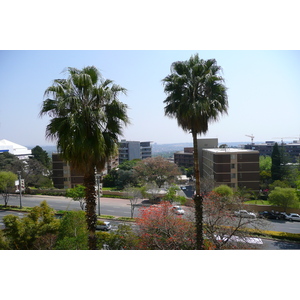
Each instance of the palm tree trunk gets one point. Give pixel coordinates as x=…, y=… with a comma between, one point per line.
x=198, y=198
x=90, y=208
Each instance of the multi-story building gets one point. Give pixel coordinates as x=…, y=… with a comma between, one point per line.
x=129, y=150
x=184, y=158
x=238, y=168
x=65, y=177
x=292, y=149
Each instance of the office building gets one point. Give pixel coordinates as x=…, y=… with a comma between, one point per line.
x=65, y=177
x=129, y=150
x=238, y=168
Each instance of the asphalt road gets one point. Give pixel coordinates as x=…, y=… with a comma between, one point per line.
x=121, y=207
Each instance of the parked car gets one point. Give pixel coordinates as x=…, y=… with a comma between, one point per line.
x=178, y=210
x=103, y=226
x=293, y=217
x=244, y=214
x=270, y=215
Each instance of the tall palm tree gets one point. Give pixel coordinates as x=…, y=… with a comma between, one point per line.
x=196, y=95
x=87, y=118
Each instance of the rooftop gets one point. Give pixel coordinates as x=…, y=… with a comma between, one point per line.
x=230, y=150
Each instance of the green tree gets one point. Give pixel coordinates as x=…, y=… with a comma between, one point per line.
x=87, y=119
x=223, y=190
x=73, y=233
x=196, y=96
x=284, y=197
x=42, y=156
x=7, y=183
x=276, y=163
x=77, y=194
x=27, y=233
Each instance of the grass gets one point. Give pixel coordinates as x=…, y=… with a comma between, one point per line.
x=258, y=202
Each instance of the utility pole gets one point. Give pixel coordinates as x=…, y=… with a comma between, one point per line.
x=98, y=177
x=20, y=188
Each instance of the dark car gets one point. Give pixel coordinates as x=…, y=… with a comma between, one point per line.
x=270, y=215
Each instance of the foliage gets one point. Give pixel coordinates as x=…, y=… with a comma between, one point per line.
x=27, y=233
x=221, y=226
x=73, y=233
x=160, y=229
x=7, y=182
x=196, y=96
x=276, y=163
x=157, y=170
x=122, y=239
x=86, y=121
x=172, y=195
x=9, y=162
x=41, y=156
x=77, y=194
x=223, y=190
x=284, y=197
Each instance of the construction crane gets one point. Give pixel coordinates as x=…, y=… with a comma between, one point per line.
x=250, y=136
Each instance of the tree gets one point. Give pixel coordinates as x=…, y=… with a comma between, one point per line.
x=77, y=194
x=73, y=233
x=28, y=232
x=284, y=197
x=87, y=119
x=160, y=229
x=7, y=182
x=221, y=227
x=196, y=96
x=276, y=163
x=223, y=190
x=156, y=169
x=41, y=156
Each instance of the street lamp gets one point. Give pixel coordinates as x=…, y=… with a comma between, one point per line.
x=20, y=188
x=98, y=179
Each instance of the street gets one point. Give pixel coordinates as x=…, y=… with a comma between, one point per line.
x=122, y=208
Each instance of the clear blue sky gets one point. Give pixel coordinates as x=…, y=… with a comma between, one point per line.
x=263, y=92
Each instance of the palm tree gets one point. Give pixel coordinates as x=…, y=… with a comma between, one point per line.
x=87, y=118
x=196, y=95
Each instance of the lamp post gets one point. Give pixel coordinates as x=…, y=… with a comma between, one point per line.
x=20, y=188
x=98, y=178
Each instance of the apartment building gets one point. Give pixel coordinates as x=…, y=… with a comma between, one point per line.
x=184, y=158
x=129, y=150
x=65, y=177
x=238, y=168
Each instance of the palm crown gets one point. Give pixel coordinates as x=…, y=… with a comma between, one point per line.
x=87, y=117
x=196, y=93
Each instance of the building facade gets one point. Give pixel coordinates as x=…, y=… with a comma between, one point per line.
x=129, y=150
x=237, y=168
x=184, y=158
x=292, y=149
x=65, y=177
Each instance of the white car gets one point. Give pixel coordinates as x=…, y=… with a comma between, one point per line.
x=293, y=217
x=244, y=214
x=178, y=210
x=103, y=226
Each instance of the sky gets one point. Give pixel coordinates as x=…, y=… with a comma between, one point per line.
x=263, y=92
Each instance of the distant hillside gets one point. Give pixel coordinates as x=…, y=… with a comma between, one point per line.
x=157, y=149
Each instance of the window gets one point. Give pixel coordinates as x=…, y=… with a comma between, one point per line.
x=232, y=166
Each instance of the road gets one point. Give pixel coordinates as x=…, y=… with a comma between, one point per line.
x=121, y=207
